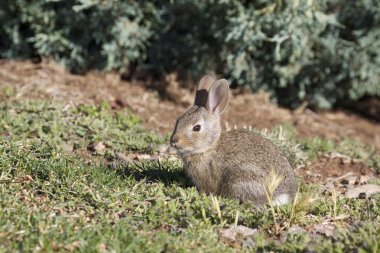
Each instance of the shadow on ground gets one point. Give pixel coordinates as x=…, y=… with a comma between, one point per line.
x=154, y=171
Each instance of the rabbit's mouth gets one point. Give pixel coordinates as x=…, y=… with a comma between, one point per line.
x=179, y=146
x=186, y=147
x=184, y=151
x=187, y=151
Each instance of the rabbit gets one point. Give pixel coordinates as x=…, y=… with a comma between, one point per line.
x=234, y=164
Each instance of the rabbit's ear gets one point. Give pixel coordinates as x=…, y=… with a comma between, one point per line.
x=218, y=96
x=202, y=91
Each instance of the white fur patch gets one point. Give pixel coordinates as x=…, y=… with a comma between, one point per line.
x=282, y=199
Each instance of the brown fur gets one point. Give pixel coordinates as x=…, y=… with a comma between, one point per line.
x=227, y=170
x=232, y=164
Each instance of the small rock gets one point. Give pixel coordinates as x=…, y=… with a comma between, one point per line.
x=324, y=229
x=362, y=195
x=328, y=186
x=244, y=231
x=228, y=234
x=143, y=157
x=351, y=180
x=123, y=158
x=368, y=189
x=100, y=147
x=296, y=229
x=97, y=147
x=233, y=234
x=363, y=179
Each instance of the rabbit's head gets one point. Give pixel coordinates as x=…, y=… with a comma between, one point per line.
x=198, y=129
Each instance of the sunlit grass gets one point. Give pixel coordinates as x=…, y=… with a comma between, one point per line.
x=53, y=199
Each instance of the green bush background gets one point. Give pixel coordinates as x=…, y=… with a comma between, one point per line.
x=324, y=52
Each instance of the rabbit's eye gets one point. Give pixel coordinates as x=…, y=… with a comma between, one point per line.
x=197, y=128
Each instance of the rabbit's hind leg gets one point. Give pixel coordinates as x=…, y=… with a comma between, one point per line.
x=249, y=191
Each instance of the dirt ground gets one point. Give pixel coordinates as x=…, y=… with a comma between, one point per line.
x=159, y=110
x=49, y=80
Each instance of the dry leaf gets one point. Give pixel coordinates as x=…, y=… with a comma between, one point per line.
x=28, y=178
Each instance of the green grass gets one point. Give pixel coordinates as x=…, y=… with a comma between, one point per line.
x=301, y=151
x=52, y=199
x=312, y=147
x=75, y=128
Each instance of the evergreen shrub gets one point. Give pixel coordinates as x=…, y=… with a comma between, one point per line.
x=324, y=52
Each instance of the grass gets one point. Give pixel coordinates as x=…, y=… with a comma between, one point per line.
x=77, y=128
x=354, y=149
x=300, y=151
x=53, y=198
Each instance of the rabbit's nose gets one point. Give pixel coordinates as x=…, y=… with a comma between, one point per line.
x=174, y=140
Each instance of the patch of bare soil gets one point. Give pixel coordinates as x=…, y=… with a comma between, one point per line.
x=347, y=176
x=335, y=168
x=48, y=80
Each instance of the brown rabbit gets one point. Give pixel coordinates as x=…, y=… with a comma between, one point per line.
x=234, y=164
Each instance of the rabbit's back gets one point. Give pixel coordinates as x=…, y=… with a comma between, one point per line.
x=241, y=146
x=246, y=160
